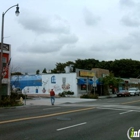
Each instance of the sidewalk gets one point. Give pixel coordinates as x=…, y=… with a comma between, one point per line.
x=58, y=101
x=64, y=100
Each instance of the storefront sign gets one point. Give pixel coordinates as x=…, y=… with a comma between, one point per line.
x=86, y=73
x=6, y=62
x=134, y=80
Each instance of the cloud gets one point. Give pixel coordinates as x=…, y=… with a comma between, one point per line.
x=90, y=18
x=41, y=25
x=130, y=21
x=48, y=46
x=48, y=34
x=51, y=32
x=130, y=17
x=127, y=3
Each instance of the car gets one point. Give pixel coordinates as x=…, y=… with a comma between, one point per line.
x=123, y=93
x=134, y=91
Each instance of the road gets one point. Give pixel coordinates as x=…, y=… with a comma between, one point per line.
x=107, y=119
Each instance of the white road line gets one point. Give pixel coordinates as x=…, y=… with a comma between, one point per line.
x=51, y=108
x=126, y=112
x=118, y=109
x=71, y=126
x=108, y=108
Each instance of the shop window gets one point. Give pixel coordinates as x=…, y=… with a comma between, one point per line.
x=83, y=87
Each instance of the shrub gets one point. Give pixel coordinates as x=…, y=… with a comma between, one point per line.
x=17, y=95
x=84, y=96
x=12, y=100
x=68, y=92
x=89, y=96
x=93, y=96
x=64, y=93
x=7, y=101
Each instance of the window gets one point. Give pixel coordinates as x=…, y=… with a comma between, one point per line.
x=83, y=87
x=4, y=61
x=53, y=79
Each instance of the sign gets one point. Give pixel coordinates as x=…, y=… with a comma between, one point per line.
x=5, y=72
x=6, y=62
x=86, y=73
x=134, y=80
x=131, y=133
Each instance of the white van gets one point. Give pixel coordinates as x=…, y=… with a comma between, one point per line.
x=134, y=91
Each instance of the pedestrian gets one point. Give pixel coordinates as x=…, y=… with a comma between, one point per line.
x=52, y=95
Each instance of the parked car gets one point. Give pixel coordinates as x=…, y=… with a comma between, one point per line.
x=123, y=93
x=134, y=91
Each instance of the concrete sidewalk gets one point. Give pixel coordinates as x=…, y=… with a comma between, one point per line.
x=58, y=101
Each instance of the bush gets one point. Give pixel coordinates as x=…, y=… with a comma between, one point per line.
x=7, y=101
x=89, y=96
x=17, y=95
x=12, y=100
x=64, y=93
x=84, y=96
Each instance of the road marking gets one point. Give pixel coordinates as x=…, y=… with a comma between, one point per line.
x=109, y=108
x=49, y=115
x=126, y=112
x=130, y=102
x=118, y=109
x=71, y=126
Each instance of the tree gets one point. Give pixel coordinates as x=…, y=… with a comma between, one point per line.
x=60, y=67
x=38, y=71
x=110, y=82
x=15, y=70
x=125, y=68
x=87, y=64
x=44, y=71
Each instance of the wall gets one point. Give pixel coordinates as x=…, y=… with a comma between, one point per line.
x=42, y=84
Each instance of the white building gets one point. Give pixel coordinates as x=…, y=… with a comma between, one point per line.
x=79, y=82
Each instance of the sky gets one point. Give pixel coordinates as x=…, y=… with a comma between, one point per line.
x=48, y=32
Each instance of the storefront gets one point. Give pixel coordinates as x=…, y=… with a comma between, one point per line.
x=85, y=81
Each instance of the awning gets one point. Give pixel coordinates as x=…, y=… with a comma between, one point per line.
x=81, y=81
x=97, y=82
x=90, y=82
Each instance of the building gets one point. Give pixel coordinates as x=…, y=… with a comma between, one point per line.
x=42, y=84
x=79, y=82
x=100, y=72
x=6, y=58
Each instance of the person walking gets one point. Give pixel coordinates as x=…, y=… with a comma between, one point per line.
x=52, y=95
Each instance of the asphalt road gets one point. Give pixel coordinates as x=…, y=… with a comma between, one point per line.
x=107, y=119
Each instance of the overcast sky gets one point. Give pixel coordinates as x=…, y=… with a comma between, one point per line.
x=51, y=31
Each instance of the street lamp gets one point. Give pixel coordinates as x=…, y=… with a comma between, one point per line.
x=2, y=37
